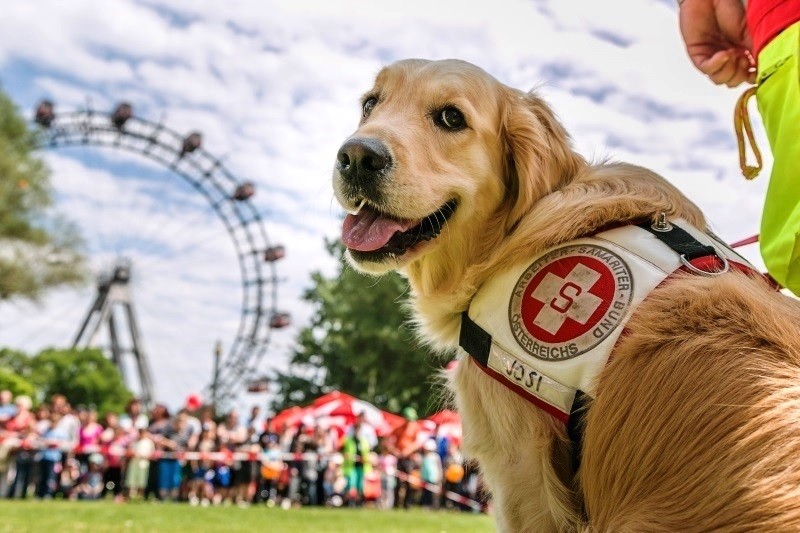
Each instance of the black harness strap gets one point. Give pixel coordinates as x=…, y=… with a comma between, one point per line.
x=678, y=240
x=475, y=341
x=577, y=419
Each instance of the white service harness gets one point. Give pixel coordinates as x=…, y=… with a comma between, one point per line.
x=546, y=327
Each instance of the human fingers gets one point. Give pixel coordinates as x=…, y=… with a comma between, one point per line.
x=741, y=73
x=721, y=68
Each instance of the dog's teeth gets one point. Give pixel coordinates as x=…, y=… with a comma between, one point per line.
x=357, y=208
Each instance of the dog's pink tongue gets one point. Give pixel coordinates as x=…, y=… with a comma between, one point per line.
x=369, y=230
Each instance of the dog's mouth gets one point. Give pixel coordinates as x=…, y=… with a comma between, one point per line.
x=372, y=234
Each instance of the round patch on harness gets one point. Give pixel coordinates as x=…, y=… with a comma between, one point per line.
x=569, y=301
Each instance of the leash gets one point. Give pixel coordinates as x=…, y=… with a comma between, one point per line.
x=743, y=128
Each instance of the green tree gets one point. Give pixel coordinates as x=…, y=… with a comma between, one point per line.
x=38, y=249
x=15, y=383
x=358, y=342
x=15, y=372
x=83, y=376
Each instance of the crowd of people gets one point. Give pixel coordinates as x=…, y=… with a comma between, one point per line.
x=60, y=451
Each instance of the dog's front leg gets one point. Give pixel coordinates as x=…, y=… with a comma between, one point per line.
x=518, y=448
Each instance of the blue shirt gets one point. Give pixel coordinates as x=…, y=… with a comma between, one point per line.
x=60, y=437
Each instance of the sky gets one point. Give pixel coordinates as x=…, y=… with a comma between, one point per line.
x=274, y=88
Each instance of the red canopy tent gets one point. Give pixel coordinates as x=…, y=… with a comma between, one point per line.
x=444, y=423
x=339, y=410
x=445, y=417
x=287, y=418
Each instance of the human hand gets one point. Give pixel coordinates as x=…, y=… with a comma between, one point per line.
x=717, y=40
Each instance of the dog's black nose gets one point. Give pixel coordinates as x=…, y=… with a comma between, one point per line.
x=363, y=160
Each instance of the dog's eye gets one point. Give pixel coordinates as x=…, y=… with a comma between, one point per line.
x=369, y=104
x=451, y=118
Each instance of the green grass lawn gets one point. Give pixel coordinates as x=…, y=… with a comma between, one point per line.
x=35, y=516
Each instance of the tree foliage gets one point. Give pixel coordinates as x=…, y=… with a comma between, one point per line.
x=83, y=376
x=38, y=250
x=16, y=383
x=359, y=342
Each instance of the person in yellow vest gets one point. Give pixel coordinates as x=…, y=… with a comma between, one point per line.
x=726, y=40
x=355, y=450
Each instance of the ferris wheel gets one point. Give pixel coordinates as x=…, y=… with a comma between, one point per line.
x=230, y=200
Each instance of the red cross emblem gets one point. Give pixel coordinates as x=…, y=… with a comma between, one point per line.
x=569, y=300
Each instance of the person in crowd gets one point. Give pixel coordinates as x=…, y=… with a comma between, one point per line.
x=133, y=418
x=231, y=431
x=24, y=460
x=310, y=471
x=177, y=438
x=254, y=420
x=222, y=479
x=90, y=484
x=403, y=443
x=88, y=435
x=453, y=463
x=412, y=496
x=248, y=472
x=138, y=466
x=202, y=473
x=19, y=424
x=268, y=436
x=23, y=418
x=333, y=471
x=42, y=423
x=272, y=466
x=387, y=466
x=355, y=451
x=7, y=445
x=194, y=405
x=7, y=407
x=232, y=437
x=159, y=422
x=431, y=473
x=27, y=453
x=68, y=422
x=206, y=418
x=68, y=478
x=114, y=442
x=296, y=464
x=55, y=440
x=325, y=445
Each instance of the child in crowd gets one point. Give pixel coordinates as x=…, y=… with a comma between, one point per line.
x=90, y=484
x=387, y=465
x=139, y=465
x=115, y=444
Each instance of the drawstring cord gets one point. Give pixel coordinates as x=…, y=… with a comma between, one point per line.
x=742, y=126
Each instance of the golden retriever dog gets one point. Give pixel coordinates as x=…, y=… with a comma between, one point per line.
x=450, y=178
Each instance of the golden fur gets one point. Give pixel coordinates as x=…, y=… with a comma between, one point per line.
x=696, y=424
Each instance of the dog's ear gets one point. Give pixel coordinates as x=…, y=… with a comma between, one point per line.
x=539, y=157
